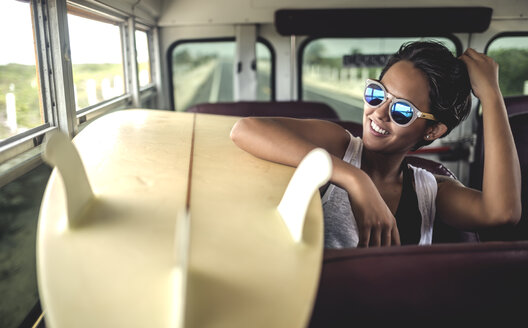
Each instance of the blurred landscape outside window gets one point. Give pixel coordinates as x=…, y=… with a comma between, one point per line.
x=20, y=103
x=202, y=72
x=143, y=58
x=97, y=60
x=511, y=53
x=334, y=70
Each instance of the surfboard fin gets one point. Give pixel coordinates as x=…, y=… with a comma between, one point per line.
x=313, y=172
x=61, y=153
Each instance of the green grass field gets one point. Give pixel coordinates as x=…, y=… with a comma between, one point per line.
x=22, y=81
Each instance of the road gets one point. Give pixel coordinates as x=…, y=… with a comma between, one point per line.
x=348, y=109
x=218, y=87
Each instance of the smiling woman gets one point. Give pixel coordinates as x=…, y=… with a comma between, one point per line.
x=322, y=75
x=368, y=203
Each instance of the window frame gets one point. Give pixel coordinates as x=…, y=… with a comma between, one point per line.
x=171, y=48
x=98, y=14
x=306, y=42
x=503, y=35
x=150, y=40
x=22, y=152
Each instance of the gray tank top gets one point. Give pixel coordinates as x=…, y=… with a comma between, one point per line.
x=340, y=230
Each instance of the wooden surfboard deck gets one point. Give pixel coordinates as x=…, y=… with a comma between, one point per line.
x=122, y=266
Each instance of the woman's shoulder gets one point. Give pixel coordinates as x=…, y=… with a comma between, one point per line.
x=438, y=178
x=446, y=183
x=342, y=141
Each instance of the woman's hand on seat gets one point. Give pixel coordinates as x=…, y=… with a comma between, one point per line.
x=375, y=222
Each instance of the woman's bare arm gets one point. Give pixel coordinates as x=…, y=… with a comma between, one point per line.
x=287, y=141
x=500, y=199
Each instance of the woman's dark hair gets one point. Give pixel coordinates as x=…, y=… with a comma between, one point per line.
x=449, y=84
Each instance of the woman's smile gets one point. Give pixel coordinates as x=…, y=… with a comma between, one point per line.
x=378, y=131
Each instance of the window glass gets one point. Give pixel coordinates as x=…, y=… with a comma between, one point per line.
x=20, y=106
x=511, y=53
x=334, y=70
x=143, y=58
x=264, y=72
x=202, y=72
x=97, y=60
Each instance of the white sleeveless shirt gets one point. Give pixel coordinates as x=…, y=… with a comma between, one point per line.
x=340, y=225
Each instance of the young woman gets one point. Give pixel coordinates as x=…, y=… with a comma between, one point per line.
x=376, y=198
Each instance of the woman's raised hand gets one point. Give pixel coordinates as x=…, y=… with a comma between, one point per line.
x=483, y=73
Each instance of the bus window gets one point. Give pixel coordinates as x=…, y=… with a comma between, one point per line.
x=143, y=58
x=97, y=58
x=334, y=70
x=202, y=72
x=20, y=104
x=264, y=72
x=511, y=53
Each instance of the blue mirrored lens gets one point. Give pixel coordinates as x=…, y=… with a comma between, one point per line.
x=401, y=112
x=374, y=94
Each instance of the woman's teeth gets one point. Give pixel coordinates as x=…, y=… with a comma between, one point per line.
x=376, y=128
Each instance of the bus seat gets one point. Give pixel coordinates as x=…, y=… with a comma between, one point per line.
x=422, y=284
x=298, y=109
x=442, y=232
x=517, y=108
x=516, y=105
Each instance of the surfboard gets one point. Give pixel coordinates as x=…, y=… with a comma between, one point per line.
x=183, y=231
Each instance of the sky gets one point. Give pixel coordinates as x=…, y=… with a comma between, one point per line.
x=90, y=41
x=16, y=33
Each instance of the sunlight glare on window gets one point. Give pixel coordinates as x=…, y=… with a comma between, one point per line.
x=143, y=58
x=97, y=60
x=20, y=107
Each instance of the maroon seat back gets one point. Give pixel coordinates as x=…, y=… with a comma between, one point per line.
x=298, y=109
x=516, y=105
x=424, y=285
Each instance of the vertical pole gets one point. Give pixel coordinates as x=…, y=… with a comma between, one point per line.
x=62, y=75
x=293, y=68
x=245, y=81
x=133, y=78
x=156, y=69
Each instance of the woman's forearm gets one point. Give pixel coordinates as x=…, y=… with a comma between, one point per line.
x=501, y=186
x=269, y=140
x=272, y=140
x=287, y=141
